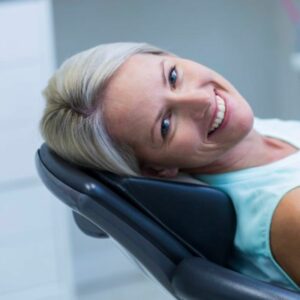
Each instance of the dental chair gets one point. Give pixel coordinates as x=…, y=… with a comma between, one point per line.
x=180, y=233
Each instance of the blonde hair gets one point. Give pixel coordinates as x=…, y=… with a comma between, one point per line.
x=72, y=123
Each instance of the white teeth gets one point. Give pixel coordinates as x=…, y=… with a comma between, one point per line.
x=220, y=114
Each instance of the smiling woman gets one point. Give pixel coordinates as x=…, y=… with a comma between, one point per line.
x=177, y=120
x=134, y=109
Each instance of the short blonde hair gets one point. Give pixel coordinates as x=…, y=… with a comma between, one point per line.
x=72, y=123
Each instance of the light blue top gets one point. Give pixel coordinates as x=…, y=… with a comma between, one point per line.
x=255, y=193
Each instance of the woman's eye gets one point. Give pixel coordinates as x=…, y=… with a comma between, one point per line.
x=173, y=77
x=165, y=127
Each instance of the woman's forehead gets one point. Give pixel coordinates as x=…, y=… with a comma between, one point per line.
x=140, y=70
x=132, y=96
x=140, y=66
x=137, y=82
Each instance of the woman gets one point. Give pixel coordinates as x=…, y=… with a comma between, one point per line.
x=137, y=110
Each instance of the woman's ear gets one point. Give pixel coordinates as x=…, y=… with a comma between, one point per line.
x=160, y=172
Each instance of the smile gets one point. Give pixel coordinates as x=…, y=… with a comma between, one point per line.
x=219, y=118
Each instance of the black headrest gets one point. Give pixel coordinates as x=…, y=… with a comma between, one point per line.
x=199, y=216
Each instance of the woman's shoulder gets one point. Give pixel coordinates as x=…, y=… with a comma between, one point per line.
x=285, y=228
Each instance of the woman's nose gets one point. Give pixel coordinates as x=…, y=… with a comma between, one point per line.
x=194, y=102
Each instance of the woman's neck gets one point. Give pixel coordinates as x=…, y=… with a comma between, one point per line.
x=255, y=150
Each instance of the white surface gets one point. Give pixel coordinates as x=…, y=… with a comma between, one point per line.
x=26, y=62
x=34, y=238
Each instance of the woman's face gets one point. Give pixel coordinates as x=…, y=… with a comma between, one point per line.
x=176, y=114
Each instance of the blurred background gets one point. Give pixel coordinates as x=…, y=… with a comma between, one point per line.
x=253, y=43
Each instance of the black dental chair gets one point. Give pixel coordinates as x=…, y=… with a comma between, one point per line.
x=181, y=233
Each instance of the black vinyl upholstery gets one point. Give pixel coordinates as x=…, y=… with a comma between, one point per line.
x=181, y=233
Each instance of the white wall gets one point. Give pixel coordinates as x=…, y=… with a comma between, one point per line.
x=34, y=247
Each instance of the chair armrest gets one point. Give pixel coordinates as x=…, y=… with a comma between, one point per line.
x=197, y=278
x=88, y=227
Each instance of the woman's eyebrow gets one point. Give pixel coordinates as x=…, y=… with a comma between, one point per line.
x=163, y=75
